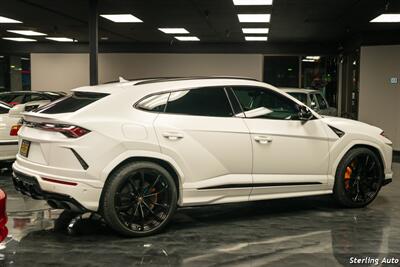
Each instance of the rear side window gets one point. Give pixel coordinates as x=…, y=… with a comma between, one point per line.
x=154, y=103
x=71, y=103
x=209, y=101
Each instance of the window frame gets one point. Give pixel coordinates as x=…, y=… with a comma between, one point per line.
x=267, y=89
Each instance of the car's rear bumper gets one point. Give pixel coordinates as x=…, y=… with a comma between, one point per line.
x=8, y=150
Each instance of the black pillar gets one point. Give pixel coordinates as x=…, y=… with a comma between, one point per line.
x=93, y=41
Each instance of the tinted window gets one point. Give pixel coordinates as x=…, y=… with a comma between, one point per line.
x=300, y=96
x=12, y=98
x=71, y=103
x=321, y=102
x=264, y=103
x=211, y=101
x=34, y=97
x=154, y=103
x=4, y=108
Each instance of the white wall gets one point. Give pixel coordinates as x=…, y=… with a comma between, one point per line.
x=66, y=71
x=379, y=102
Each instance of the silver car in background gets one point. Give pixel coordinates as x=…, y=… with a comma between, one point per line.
x=312, y=98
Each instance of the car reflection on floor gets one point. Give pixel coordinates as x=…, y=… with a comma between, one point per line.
x=305, y=231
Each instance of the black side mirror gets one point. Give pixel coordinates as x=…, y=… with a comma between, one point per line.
x=305, y=113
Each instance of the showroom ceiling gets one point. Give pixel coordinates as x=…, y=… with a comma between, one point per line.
x=213, y=21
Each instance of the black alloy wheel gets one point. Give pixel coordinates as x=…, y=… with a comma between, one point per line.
x=140, y=199
x=359, y=178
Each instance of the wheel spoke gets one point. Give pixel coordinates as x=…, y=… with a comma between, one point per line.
x=152, y=213
x=155, y=182
x=142, y=220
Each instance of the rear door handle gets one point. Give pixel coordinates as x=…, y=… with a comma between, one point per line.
x=172, y=135
x=262, y=139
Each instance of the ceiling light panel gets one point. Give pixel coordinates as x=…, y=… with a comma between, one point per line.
x=174, y=30
x=387, y=18
x=60, y=39
x=256, y=38
x=254, y=17
x=19, y=39
x=121, y=18
x=8, y=20
x=187, y=38
x=27, y=32
x=252, y=2
x=255, y=30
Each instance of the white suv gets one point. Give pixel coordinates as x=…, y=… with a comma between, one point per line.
x=134, y=151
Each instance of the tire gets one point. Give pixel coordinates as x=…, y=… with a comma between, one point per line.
x=139, y=199
x=359, y=177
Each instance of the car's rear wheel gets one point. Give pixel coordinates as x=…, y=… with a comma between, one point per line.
x=139, y=199
x=359, y=178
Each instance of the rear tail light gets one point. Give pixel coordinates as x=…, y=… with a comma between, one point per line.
x=70, y=131
x=14, y=129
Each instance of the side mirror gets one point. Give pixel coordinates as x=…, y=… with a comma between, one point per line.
x=305, y=113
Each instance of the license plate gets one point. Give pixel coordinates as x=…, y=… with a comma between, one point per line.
x=24, y=149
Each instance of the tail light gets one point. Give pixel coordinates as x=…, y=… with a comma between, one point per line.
x=70, y=131
x=14, y=129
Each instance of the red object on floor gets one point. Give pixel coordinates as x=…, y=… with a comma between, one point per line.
x=3, y=216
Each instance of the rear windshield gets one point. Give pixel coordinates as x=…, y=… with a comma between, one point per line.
x=71, y=103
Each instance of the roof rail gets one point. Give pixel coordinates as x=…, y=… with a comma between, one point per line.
x=171, y=79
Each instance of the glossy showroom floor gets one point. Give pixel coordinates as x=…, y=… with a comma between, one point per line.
x=291, y=232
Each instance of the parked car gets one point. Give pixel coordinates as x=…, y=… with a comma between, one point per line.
x=312, y=98
x=3, y=216
x=135, y=151
x=21, y=97
x=8, y=134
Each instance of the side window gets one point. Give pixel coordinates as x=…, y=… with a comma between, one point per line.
x=17, y=99
x=321, y=102
x=154, y=103
x=208, y=101
x=34, y=97
x=264, y=103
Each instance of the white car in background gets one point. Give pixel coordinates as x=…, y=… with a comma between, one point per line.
x=312, y=98
x=135, y=151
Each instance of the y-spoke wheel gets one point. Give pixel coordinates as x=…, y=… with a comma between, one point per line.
x=358, y=178
x=139, y=199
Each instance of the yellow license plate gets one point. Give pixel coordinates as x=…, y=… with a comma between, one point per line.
x=24, y=148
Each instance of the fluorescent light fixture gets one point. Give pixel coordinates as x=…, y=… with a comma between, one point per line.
x=174, y=30
x=104, y=38
x=255, y=30
x=8, y=20
x=254, y=17
x=19, y=39
x=387, y=18
x=60, y=39
x=252, y=2
x=27, y=32
x=313, y=57
x=308, y=60
x=187, y=38
x=256, y=38
x=25, y=58
x=121, y=18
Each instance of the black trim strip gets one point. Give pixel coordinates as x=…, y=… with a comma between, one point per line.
x=228, y=186
x=83, y=163
x=9, y=143
x=396, y=156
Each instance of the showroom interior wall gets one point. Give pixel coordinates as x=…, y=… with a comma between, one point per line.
x=379, y=102
x=72, y=70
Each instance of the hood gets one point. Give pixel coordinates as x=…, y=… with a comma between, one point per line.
x=348, y=125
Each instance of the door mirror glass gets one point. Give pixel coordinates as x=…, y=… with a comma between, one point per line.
x=305, y=113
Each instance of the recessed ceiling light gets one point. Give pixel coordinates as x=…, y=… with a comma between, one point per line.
x=27, y=32
x=19, y=39
x=60, y=39
x=174, y=30
x=255, y=30
x=8, y=20
x=254, y=17
x=187, y=38
x=121, y=18
x=252, y=2
x=256, y=38
x=387, y=18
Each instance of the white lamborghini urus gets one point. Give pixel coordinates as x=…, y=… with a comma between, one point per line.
x=135, y=151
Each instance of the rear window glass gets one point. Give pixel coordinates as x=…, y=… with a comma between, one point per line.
x=71, y=103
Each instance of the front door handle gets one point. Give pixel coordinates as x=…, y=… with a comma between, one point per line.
x=172, y=135
x=262, y=139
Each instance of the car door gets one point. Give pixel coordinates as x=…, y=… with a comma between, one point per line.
x=199, y=131
x=289, y=155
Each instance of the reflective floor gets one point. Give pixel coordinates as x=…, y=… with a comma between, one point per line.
x=291, y=232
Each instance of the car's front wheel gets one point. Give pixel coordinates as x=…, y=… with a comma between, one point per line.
x=139, y=199
x=359, y=178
